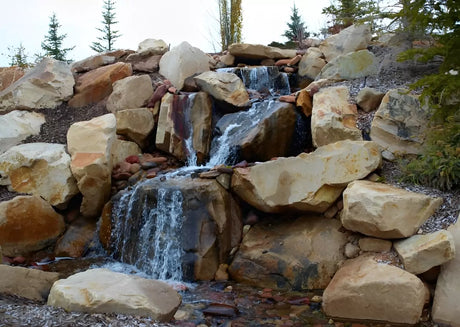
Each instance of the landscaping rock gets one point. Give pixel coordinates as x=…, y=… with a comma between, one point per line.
x=370, y=244
x=349, y=66
x=369, y=99
x=18, y=125
x=9, y=75
x=258, y=51
x=129, y=93
x=150, y=47
x=311, y=63
x=135, y=124
x=92, y=62
x=122, y=149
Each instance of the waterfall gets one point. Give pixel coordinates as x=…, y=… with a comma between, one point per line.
x=221, y=152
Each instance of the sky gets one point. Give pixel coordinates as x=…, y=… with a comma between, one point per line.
x=174, y=21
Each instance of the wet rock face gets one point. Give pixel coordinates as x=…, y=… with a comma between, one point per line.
x=209, y=216
x=290, y=254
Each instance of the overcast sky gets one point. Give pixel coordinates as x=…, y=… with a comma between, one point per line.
x=174, y=21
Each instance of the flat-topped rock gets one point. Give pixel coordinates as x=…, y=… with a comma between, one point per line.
x=259, y=51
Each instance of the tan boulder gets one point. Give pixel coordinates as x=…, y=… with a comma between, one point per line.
x=92, y=62
x=18, y=125
x=399, y=125
x=104, y=291
x=308, y=182
x=353, y=38
x=130, y=92
x=366, y=289
x=222, y=86
x=305, y=102
x=181, y=62
x=9, y=75
x=135, y=124
x=150, y=47
x=385, y=211
x=369, y=99
x=295, y=254
x=333, y=117
x=32, y=284
x=370, y=244
x=96, y=84
x=90, y=143
x=447, y=294
x=420, y=253
x=27, y=224
x=47, y=85
x=147, y=64
x=351, y=65
x=311, y=63
x=41, y=169
x=228, y=60
x=122, y=149
x=182, y=118
x=76, y=239
x=258, y=51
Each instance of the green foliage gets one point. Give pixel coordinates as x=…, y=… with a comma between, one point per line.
x=18, y=56
x=53, y=41
x=439, y=165
x=286, y=45
x=109, y=37
x=230, y=21
x=296, y=31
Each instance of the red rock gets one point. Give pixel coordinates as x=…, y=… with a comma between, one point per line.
x=132, y=159
x=282, y=62
x=123, y=175
x=135, y=167
x=19, y=260
x=287, y=98
x=242, y=164
x=159, y=92
x=9, y=75
x=159, y=159
x=220, y=309
x=299, y=301
x=172, y=90
x=295, y=60
x=151, y=174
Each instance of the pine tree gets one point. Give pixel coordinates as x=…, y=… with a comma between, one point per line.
x=110, y=35
x=53, y=41
x=230, y=21
x=296, y=31
x=18, y=56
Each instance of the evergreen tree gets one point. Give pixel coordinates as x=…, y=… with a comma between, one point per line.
x=230, y=21
x=18, y=56
x=296, y=31
x=53, y=41
x=110, y=35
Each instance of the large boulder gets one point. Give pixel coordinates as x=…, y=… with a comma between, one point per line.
x=447, y=294
x=311, y=63
x=366, y=289
x=104, y=291
x=136, y=124
x=385, y=211
x=121, y=149
x=17, y=126
x=333, y=117
x=130, y=92
x=295, y=254
x=41, y=169
x=353, y=38
x=92, y=62
x=27, y=224
x=76, y=239
x=182, y=118
x=150, y=47
x=181, y=62
x=259, y=134
x=227, y=87
x=308, y=182
x=95, y=85
x=197, y=218
x=258, y=51
x=369, y=99
x=352, y=65
x=400, y=123
x=90, y=143
x=46, y=86
x=9, y=75
x=420, y=253
x=32, y=284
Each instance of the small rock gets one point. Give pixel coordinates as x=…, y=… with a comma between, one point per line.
x=132, y=159
x=317, y=299
x=287, y=98
x=351, y=250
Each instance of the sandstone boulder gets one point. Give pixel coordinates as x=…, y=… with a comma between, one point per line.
x=369, y=99
x=104, y=291
x=76, y=239
x=305, y=102
x=366, y=289
x=447, y=294
x=385, y=211
x=353, y=38
x=182, y=118
x=41, y=169
x=135, y=124
x=258, y=51
x=27, y=224
x=95, y=85
x=47, y=85
x=370, y=244
x=295, y=254
x=333, y=117
x=17, y=126
x=226, y=87
x=92, y=62
x=352, y=65
x=122, y=149
x=130, y=92
x=308, y=182
x=311, y=63
x=150, y=47
x=420, y=253
x=90, y=143
x=147, y=64
x=9, y=75
x=400, y=123
x=181, y=62
x=31, y=284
